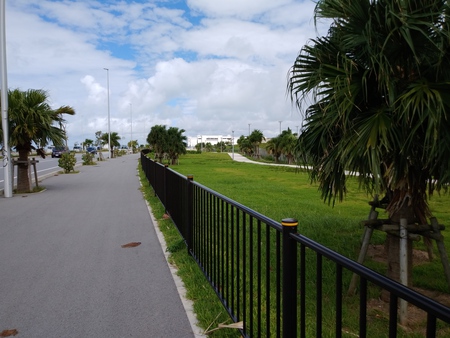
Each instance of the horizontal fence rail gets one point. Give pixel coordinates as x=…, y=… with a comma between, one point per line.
x=274, y=281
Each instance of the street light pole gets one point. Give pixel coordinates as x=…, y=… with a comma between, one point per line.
x=109, y=122
x=7, y=163
x=232, y=142
x=249, y=129
x=131, y=137
x=280, y=126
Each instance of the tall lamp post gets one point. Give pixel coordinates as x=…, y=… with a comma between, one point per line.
x=7, y=163
x=249, y=129
x=109, y=122
x=280, y=126
x=232, y=142
x=131, y=137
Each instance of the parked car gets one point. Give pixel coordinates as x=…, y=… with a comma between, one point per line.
x=91, y=150
x=77, y=149
x=58, y=151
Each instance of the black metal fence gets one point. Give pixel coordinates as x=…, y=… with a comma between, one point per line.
x=261, y=270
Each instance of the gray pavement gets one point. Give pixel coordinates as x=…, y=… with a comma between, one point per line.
x=63, y=272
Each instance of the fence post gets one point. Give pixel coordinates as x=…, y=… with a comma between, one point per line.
x=289, y=292
x=190, y=213
x=166, y=166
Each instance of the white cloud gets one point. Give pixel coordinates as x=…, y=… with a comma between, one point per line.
x=243, y=9
x=222, y=71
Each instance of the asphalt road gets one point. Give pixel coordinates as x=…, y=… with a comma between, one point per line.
x=64, y=272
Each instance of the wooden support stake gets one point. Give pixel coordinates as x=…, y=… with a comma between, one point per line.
x=368, y=231
x=35, y=172
x=403, y=316
x=441, y=248
x=29, y=175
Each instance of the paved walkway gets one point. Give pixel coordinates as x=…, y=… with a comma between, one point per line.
x=240, y=158
x=64, y=272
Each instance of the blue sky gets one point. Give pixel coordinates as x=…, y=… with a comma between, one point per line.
x=208, y=67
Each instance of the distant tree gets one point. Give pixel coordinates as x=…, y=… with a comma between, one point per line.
x=176, y=144
x=245, y=145
x=98, y=139
x=114, y=139
x=87, y=143
x=255, y=138
x=200, y=146
x=133, y=145
x=220, y=146
x=288, y=143
x=209, y=147
x=274, y=148
x=33, y=124
x=157, y=139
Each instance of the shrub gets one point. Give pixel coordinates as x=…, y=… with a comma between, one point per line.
x=88, y=159
x=67, y=162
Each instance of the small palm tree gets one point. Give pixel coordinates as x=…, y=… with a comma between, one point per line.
x=255, y=138
x=157, y=139
x=274, y=148
x=133, y=145
x=176, y=143
x=245, y=146
x=33, y=124
x=87, y=143
x=113, y=140
x=288, y=142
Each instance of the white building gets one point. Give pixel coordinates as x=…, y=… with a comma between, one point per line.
x=213, y=139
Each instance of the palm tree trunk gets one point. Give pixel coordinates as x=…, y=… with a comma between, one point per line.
x=23, y=178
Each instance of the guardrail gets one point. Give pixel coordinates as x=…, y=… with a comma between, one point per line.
x=258, y=268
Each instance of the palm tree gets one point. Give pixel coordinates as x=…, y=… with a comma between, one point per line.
x=113, y=140
x=287, y=142
x=176, y=143
x=245, y=145
x=87, y=143
x=379, y=82
x=274, y=148
x=255, y=138
x=133, y=145
x=33, y=124
x=157, y=139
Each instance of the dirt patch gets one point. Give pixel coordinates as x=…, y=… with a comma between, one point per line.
x=416, y=317
x=378, y=254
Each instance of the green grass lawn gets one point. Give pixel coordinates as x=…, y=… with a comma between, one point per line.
x=281, y=192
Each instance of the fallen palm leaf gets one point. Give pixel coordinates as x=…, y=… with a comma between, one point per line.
x=9, y=333
x=238, y=325
x=131, y=245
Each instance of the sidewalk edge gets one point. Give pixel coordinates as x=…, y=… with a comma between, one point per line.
x=187, y=303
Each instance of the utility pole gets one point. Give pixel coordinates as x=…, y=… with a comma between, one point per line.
x=7, y=162
x=109, y=123
x=131, y=137
x=232, y=142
